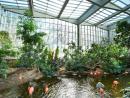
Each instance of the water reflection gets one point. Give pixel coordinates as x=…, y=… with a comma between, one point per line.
x=72, y=88
x=83, y=87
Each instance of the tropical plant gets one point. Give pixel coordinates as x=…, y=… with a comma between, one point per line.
x=4, y=38
x=123, y=36
x=123, y=33
x=5, y=50
x=32, y=40
x=74, y=59
x=95, y=56
x=49, y=61
x=111, y=57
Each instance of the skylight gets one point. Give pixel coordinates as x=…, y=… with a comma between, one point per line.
x=52, y=7
x=99, y=15
x=121, y=3
x=114, y=19
x=75, y=8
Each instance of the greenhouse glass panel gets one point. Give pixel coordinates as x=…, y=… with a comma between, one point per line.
x=58, y=33
x=50, y=6
x=49, y=11
x=119, y=3
x=22, y=3
x=114, y=19
x=9, y=20
x=9, y=4
x=77, y=7
x=99, y=15
x=11, y=1
x=16, y=3
x=90, y=35
x=125, y=1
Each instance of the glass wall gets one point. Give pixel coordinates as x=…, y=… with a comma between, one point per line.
x=112, y=35
x=58, y=33
x=90, y=35
x=8, y=22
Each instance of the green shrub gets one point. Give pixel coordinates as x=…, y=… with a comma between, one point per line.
x=123, y=33
x=33, y=44
x=111, y=57
x=74, y=58
x=3, y=69
x=49, y=61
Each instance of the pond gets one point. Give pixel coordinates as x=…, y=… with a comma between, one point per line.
x=69, y=87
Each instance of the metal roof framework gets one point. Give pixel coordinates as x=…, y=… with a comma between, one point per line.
x=86, y=12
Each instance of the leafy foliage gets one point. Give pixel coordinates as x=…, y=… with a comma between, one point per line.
x=3, y=69
x=111, y=57
x=4, y=38
x=49, y=61
x=123, y=33
x=32, y=40
x=5, y=50
x=123, y=36
x=34, y=52
x=74, y=58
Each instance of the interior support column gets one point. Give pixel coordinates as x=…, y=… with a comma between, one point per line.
x=78, y=35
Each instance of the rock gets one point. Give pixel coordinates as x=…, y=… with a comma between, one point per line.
x=19, y=77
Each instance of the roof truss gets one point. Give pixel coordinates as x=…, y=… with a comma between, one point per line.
x=63, y=7
x=114, y=14
x=92, y=10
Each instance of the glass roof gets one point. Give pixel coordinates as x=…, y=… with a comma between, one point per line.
x=115, y=19
x=99, y=15
x=121, y=3
x=52, y=7
x=18, y=4
x=73, y=10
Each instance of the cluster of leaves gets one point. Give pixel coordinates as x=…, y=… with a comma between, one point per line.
x=49, y=61
x=3, y=69
x=32, y=40
x=123, y=33
x=110, y=57
x=123, y=36
x=74, y=58
x=4, y=38
x=34, y=52
x=5, y=50
x=113, y=58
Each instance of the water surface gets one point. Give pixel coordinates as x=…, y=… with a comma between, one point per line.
x=69, y=87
